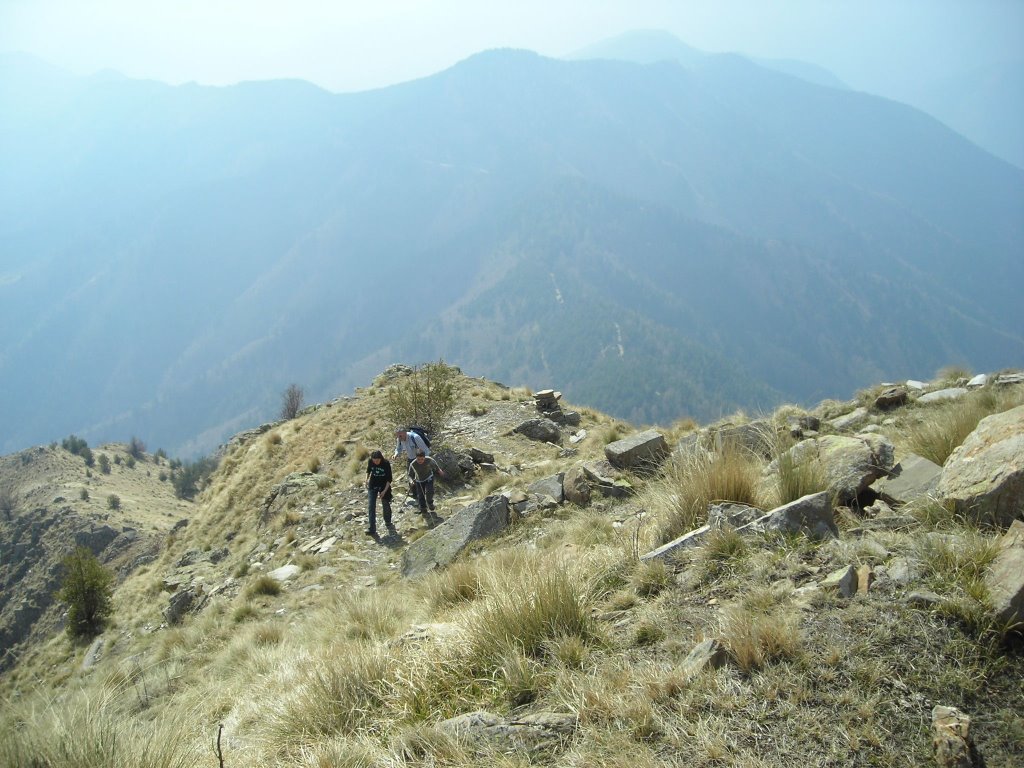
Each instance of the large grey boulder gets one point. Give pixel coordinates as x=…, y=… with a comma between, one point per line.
x=851, y=463
x=810, y=515
x=640, y=451
x=441, y=545
x=1005, y=577
x=914, y=476
x=984, y=477
x=542, y=430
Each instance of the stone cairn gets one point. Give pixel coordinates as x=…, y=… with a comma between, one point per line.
x=547, y=403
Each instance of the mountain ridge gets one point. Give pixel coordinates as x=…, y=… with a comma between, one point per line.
x=281, y=247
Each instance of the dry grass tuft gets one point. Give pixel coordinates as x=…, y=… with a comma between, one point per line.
x=691, y=483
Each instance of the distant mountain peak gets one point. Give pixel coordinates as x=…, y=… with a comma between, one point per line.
x=650, y=46
x=642, y=46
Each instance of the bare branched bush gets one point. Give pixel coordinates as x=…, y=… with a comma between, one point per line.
x=291, y=401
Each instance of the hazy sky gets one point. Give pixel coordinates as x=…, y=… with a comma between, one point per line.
x=356, y=44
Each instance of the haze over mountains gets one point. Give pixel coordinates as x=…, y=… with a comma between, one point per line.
x=659, y=240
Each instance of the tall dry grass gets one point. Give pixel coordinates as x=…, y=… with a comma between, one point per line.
x=691, y=483
x=938, y=430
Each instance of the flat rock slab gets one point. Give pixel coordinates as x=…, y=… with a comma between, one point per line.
x=984, y=477
x=642, y=450
x=950, y=393
x=914, y=476
x=1005, y=577
x=439, y=546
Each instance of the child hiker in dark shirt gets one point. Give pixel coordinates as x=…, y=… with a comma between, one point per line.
x=422, y=470
x=378, y=483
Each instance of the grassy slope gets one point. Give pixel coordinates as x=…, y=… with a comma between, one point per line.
x=350, y=665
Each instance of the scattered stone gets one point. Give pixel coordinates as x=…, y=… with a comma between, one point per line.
x=1004, y=379
x=849, y=420
x=732, y=514
x=915, y=384
x=606, y=479
x=893, y=397
x=639, y=451
x=850, y=463
x=709, y=654
x=903, y=571
x=923, y=598
x=756, y=437
x=576, y=486
x=543, y=730
x=950, y=393
x=481, y=457
x=549, y=486
x=844, y=581
x=865, y=578
x=978, y=381
x=93, y=655
x=694, y=538
x=285, y=572
x=952, y=742
x=1005, y=577
x=984, y=477
x=542, y=430
x=810, y=515
x=578, y=437
x=179, y=605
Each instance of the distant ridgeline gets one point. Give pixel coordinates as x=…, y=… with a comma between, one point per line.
x=661, y=241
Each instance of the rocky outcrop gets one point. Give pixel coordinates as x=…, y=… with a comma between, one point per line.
x=1005, y=578
x=441, y=545
x=640, y=451
x=984, y=477
x=851, y=463
x=810, y=515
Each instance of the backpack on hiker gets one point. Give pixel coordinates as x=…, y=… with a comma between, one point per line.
x=421, y=433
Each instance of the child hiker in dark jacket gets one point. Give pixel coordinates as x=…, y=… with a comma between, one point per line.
x=422, y=471
x=378, y=483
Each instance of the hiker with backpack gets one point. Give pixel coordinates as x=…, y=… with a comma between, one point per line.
x=378, y=483
x=422, y=471
x=410, y=440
